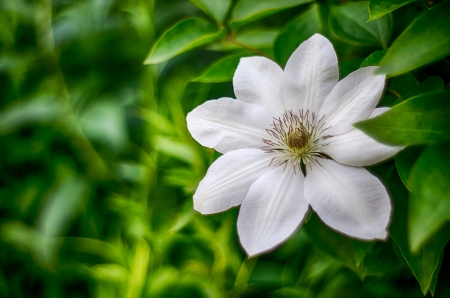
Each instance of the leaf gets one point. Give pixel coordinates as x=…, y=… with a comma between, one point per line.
x=405, y=160
x=348, y=23
x=421, y=119
x=251, y=10
x=221, y=70
x=217, y=9
x=425, y=262
x=378, y=8
x=374, y=58
x=404, y=86
x=361, y=248
x=430, y=187
x=182, y=37
x=255, y=38
x=348, y=66
x=420, y=43
x=432, y=84
x=296, y=32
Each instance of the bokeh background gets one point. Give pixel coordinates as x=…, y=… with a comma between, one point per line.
x=97, y=168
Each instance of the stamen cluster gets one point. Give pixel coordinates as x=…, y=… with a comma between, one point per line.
x=296, y=139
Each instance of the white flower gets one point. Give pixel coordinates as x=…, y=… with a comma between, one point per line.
x=279, y=120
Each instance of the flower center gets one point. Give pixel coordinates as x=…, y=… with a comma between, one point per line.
x=296, y=139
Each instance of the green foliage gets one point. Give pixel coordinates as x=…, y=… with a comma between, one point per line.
x=98, y=168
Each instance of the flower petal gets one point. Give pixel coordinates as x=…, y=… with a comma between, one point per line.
x=228, y=179
x=353, y=99
x=227, y=124
x=355, y=148
x=258, y=80
x=272, y=210
x=310, y=74
x=348, y=199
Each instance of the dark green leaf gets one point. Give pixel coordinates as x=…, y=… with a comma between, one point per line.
x=348, y=66
x=374, y=58
x=378, y=8
x=432, y=84
x=217, y=9
x=255, y=38
x=296, y=32
x=405, y=160
x=220, y=71
x=430, y=199
x=250, y=10
x=182, y=37
x=348, y=23
x=420, y=43
x=419, y=120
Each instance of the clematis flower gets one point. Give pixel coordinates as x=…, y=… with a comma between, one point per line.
x=281, y=120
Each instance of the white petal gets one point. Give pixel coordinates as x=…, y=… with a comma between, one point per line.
x=353, y=99
x=310, y=74
x=227, y=124
x=355, y=148
x=258, y=80
x=348, y=199
x=272, y=210
x=228, y=179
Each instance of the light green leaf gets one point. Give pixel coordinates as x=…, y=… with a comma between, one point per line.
x=296, y=32
x=421, y=119
x=430, y=199
x=182, y=37
x=251, y=10
x=221, y=70
x=378, y=8
x=426, y=261
x=374, y=58
x=255, y=38
x=348, y=23
x=217, y=9
x=420, y=43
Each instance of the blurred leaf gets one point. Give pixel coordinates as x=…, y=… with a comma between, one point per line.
x=221, y=70
x=378, y=8
x=425, y=262
x=431, y=84
x=380, y=258
x=420, y=43
x=430, y=199
x=419, y=120
x=374, y=58
x=361, y=248
x=251, y=10
x=184, y=216
x=177, y=149
x=254, y=37
x=105, y=122
x=217, y=9
x=138, y=269
x=405, y=160
x=109, y=272
x=296, y=32
x=348, y=23
x=182, y=37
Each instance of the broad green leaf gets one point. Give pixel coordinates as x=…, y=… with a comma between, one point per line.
x=254, y=38
x=431, y=84
x=182, y=37
x=348, y=23
x=251, y=10
x=425, y=262
x=221, y=70
x=420, y=43
x=430, y=199
x=374, y=58
x=378, y=8
x=404, y=86
x=421, y=119
x=217, y=9
x=295, y=33
x=405, y=160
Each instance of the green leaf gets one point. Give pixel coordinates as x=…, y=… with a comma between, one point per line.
x=420, y=43
x=348, y=66
x=361, y=248
x=182, y=37
x=251, y=10
x=404, y=86
x=217, y=9
x=405, y=160
x=430, y=187
x=296, y=32
x=421, y=119
x=425, y=262
x=374, y=58
x=348, y=23
x=221, y=70
x=255, y=38
x=378, y=8
x=431, y=84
